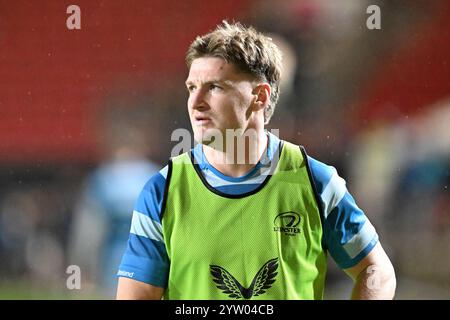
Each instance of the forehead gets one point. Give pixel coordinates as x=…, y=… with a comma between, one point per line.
x=214, y=68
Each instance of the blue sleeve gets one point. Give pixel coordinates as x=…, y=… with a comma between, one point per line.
x=145, y=258
x=348, y=234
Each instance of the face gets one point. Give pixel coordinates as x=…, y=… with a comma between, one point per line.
x=220, y=98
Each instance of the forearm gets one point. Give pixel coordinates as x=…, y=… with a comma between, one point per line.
x=375, y=283
x=129, y=289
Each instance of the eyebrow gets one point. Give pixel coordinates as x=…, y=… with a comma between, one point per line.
x=226, y=82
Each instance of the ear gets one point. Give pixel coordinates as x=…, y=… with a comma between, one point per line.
x=262, y=96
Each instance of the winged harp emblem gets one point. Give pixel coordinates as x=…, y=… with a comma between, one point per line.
x=229, y=285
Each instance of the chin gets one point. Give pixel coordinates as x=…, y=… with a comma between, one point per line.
x=207, y=136
x=203, y=138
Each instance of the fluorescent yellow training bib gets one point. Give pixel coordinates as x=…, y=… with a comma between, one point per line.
x=266, y=244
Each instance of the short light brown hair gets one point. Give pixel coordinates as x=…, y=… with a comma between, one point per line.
x=249, y=50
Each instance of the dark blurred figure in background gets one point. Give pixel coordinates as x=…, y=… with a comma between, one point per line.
x=101, y=220
x=414, y=202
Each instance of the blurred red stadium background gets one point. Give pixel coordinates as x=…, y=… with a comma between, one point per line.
x=53, y=78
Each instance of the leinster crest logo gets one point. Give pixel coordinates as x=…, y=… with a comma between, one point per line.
x=229, y=285
x=287, y=223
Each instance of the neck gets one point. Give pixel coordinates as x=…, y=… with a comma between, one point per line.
x=238, y=157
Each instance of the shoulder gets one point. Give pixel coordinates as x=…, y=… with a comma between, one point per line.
x=149, y=202
x=330, y=187
x=157, y=180
x=321, y=173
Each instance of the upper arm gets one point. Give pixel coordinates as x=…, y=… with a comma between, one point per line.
x=129, y=289
x=376, y=260
x=348, y=234
x=374, y=276
x=145, y=259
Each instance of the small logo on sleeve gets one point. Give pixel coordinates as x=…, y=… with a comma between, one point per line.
x=287, y=223
x=122, y=273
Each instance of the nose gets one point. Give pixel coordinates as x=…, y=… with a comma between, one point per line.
x=197, y=100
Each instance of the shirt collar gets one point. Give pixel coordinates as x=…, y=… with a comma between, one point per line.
x=272, y=147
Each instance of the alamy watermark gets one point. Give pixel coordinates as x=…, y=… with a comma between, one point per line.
x=373, y=280
x=373, y=22
x=73, y=21
x=74, y=279
x=235, y=146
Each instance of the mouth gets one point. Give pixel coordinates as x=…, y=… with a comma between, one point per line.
x=201, y=120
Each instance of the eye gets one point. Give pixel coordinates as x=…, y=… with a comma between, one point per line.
x=191, y=88
x=213, y=86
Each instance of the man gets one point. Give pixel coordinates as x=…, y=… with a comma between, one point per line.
x=216, y=225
